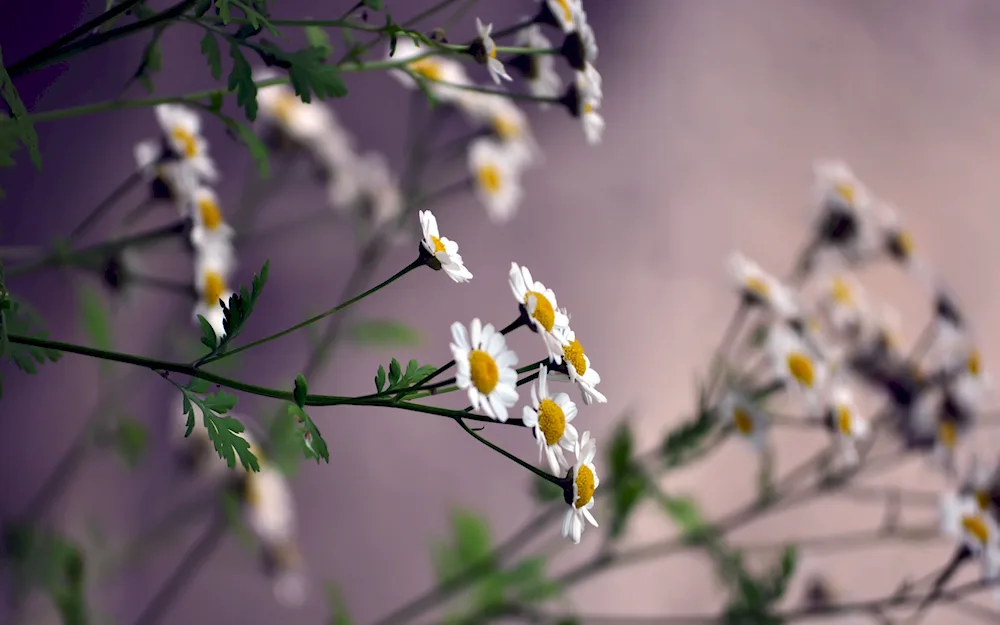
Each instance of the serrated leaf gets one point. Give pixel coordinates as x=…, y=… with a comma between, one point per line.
x=21, y=318
x=311, y=76
x=380, y=379
x=315, y=445
x=394, y=373
x=212, y=54
x=236, y=312
x=300, y=391
x=208, y=336
x=224, y=431
x=95, y=317
x=151, y=63
x=318, y=38
x=241, y=82
x=19, y=113
x=131, y=440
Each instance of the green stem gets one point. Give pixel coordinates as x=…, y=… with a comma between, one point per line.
x=560, y=482
x=105, y=205
x=32, y=60
x=323, y=315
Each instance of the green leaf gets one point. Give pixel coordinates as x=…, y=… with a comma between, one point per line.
x=529, y=581
x=314, y=444
x=627, y=478
x=208, y=336
x=375, y=5
x=241, y=82
x=338, y=608
x=151, y=63
x=311, y=76
x=384, y=333
x=394, y=373
x=379, y=379
x=19, y=113
x=21, y=318
x=210, y=49
x=258, y=151
x=286, y=445
x=472, y=537
x=301, y=390
x=95, y=317
x=318, y=38
x=48, y=561
x=681, y=442
x=224, y=431
x=238, y=310
x=131, y=441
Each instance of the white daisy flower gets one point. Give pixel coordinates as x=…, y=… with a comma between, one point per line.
x=269, y=511
x=440, y=73
x=584, y=101
x=757, y=287
x=579, y=371
x=444, y=250
x=368, y=189
x=562, y=13
x=181, y=128
x=843, y=304
x=849, y=426
x=171, y=179
x=542, y=309
x=213, y=266
x=979, y=484
x=837, y=186
x=303, y=123
x=493, y=64
x=485, y=368
x=539, y=69
x=508, y=122
x=585, y=483
x=963, y=519
x=209, y=226
x=587, y=36
x=751, y=423
x=496, y=171
x=793, y=361
x=550, y=416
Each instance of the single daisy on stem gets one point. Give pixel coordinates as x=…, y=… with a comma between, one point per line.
x=484, y=50
x=441, y=252
x=485, y=368
x=575, y=366
x=496, y=172
x=209, y=227
x=213, y=266
x=539, y=308
x=580, y=498
x=550, y=417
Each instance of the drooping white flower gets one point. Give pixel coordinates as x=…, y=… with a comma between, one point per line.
x=562, y=12
x=585, y=483
x=181, y=128
x=550, y=416
x=963, y=518
x=847, y=423
x=496, y=172
x=795, y=362
x=579, y=370
x=749, y=421
x=493, y=64
x=443, y=249
x=757, y=287
x=306, y=124
x=543, y=311
x=213, y=267
x=539, y=69
x=209, y=227
x=485, y=368
x=439, y=73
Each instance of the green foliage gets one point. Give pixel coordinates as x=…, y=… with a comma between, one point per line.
x=235, y=314
x=42, y=559
x=258, y=151
x=375, y=5
x=254, y=12
x=301, y=391
x=224, y=431
x=21, y=127
x=310, y=75
x=384, y=333
x=210, y=49
x=338, y=608
x=96, y=318
x=628, y=481
x=131, y=441
x=241, y=82
x=152, y=61
x=318, y=39
x=18, y=317
x=314, y=444
x=399, y=380
x=683, y=441
x=469, y=553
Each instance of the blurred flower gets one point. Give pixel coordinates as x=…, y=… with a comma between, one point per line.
x=485, y=50
x=559, y=13
x=538, y=69
x=442, y=249
x=213, y=266
x=576, y=368
x=585, y=483
x=367, y=188
x=209, y=228
x=963, y=519
x=303, y=124
x=845, y=421
x=485, y=368
x=540, y=306
x=844, y=305
x=751, y=423
x=793, y=361
x=496, y=171
x=269, y=510
x=181, y=128
x=169, y=180
x=508, y=123
x=550, y=416
x=440, y=74
x=583, y=100
x=759, y=288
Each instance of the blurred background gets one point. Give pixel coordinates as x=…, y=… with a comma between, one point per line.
x=715, y=112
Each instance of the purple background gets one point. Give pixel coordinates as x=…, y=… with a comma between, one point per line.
x=715, y=111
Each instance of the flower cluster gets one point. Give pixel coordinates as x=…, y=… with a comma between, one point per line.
x=180, y=170
x=829, y=343
x=486, y=371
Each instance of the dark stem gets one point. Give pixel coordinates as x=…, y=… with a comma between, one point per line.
x=105, y=205
x=185, y=573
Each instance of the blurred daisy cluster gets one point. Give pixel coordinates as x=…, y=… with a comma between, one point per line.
x=822, y=342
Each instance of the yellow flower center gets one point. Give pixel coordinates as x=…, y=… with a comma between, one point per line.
x=757, y=286
x=588, y=108
x=551, y=421
x=973, y=363
x=905, y=242
x=801, y=368
x=484, y=371
x=284, y=106
x=187, y=141
x=489, y=178
x=493, y=52
x=983, y=499
x=543, y=311
x=211, y=216
x=215, y=286
x=842, y=292
x=846, y=191
x=506, y=128
x=574, y=355
x=584, y=486
x=844, y=420
x=567, y=13
x=743, y=421
x=948, y=434
x=427, y=68
x=976, y=527
x=438, y=245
